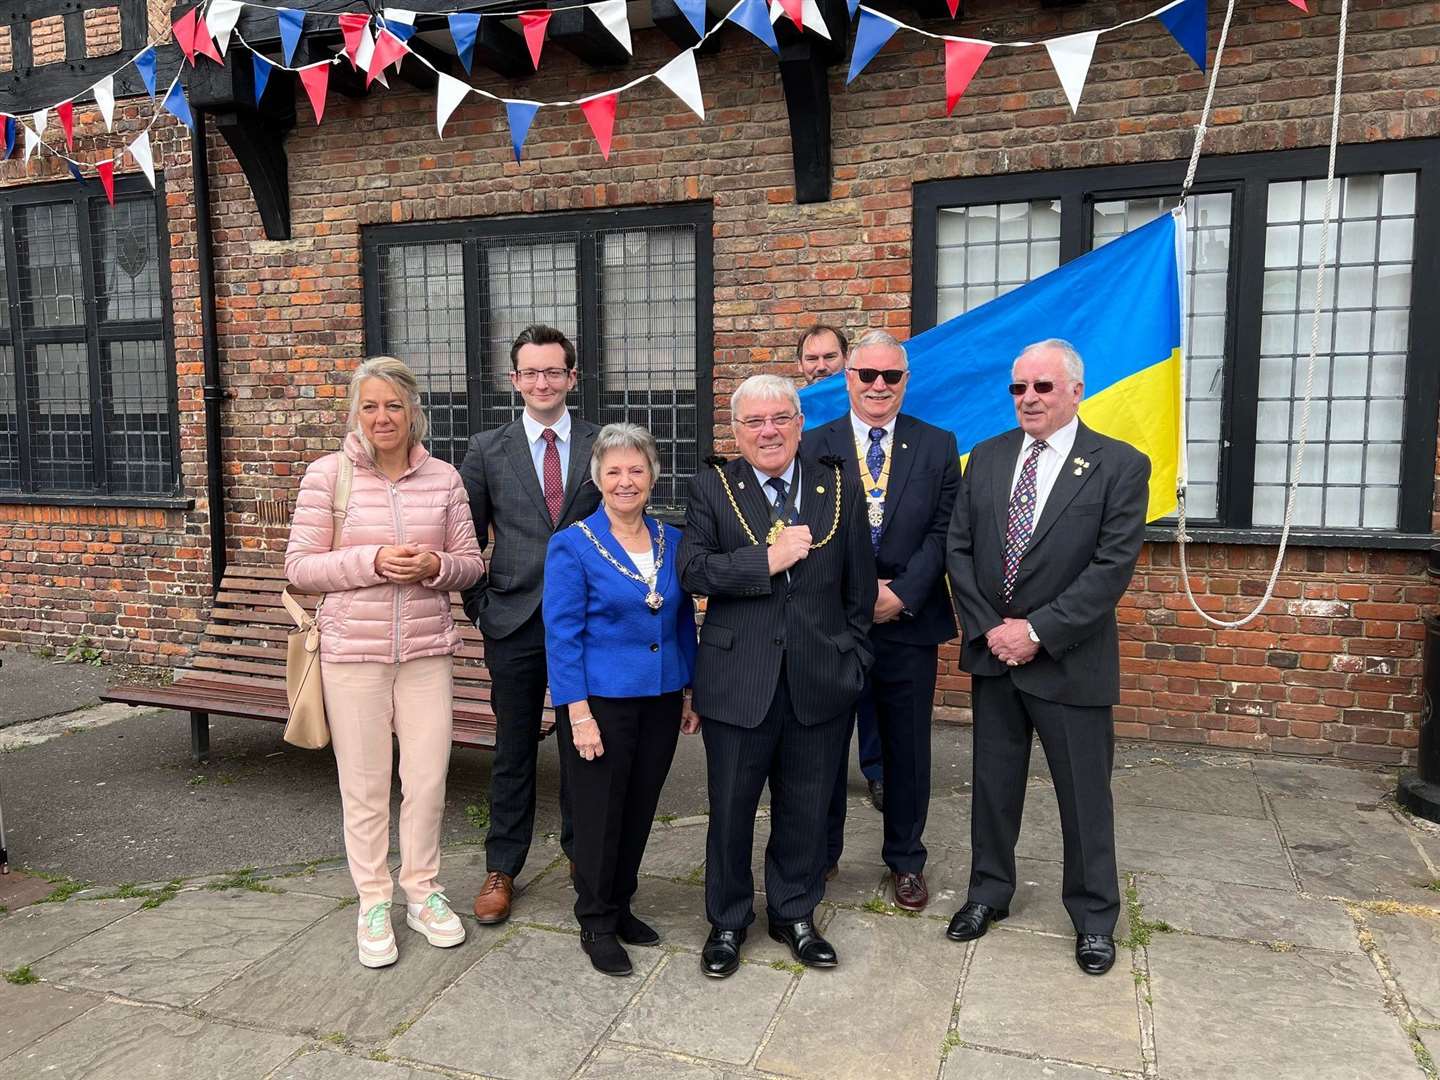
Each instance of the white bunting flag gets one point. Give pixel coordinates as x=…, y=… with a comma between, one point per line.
x=40, y=119
x=809, y=15
x=364, y=51
x=448, y=94
x=399, y=15
x=140, y=151
x=684, y=81
x=104, y=92
x=616, y=19
x=1071, y=57
x=221, y=17
x=32, y=141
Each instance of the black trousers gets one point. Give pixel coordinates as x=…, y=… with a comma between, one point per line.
x=1079, y=744
x=799, y=762
x=613, y=799
x=518, y=678
x=900, y=695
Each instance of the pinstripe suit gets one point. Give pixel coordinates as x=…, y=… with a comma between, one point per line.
x=780, y=664
x=505, y=494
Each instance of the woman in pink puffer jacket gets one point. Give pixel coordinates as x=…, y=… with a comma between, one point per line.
x=387, y=641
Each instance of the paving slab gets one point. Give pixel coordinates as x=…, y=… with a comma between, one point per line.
x=1340, y=849
x=1231, y=1009
x=1215, y=789
x=675, y=851
x=1220, y=909
x=28, y=1012
x=18, y=889
x=1024, y=993
x=948, y=823
x=685, y=1012
x=180, y=951
x=1411, y=946
x=316, y=985
x=122, y=1042
x=537, y=982
x=1214, y=847
x=1301, y=780
x=327, y=1065
x=967, y=1063
x=889, y=1001
x=41, y=929
x=620, y=1063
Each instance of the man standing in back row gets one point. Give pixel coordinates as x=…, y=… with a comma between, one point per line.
x=526, y=480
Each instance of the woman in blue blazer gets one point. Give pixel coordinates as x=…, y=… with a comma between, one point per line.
x=620, y=648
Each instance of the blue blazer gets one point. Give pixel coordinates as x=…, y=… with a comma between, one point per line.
x=600, y=637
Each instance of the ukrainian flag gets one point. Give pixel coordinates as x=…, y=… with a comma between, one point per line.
x=1119, y=306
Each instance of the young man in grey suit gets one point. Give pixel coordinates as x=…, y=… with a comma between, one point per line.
x=1046, y=532
x=526, y=480
x=779, y=544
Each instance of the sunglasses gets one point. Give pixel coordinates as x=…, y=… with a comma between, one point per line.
x=868, y=375
x=1041, y=386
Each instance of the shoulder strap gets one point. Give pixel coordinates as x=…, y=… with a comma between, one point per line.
x=340, y=502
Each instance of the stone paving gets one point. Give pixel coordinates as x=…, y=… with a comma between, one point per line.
x=1282, y=920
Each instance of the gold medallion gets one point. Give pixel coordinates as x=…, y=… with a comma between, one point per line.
x=774, y=534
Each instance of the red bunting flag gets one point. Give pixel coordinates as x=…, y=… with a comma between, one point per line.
x=795, y=9
x=1301, y=5
x=184, y=30
x=351, y=27
x=954, y=6
x=316, y=78
x=534, y=23
x=388, y=49
x=962, y=60
x=600, y=111
x=106, y=169
x=66, y=111
x=203, y=43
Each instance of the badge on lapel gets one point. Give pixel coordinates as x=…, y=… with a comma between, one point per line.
x=1080, y=465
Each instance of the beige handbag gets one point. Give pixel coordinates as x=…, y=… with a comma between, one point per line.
x=307, y=727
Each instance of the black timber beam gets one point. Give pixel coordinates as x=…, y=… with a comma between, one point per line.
x=837, y=20
x=804, y=75
x=580, y=31
x=502, y=50
x=27, y=86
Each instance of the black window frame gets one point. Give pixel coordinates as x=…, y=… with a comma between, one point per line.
x=1248, y=177
x=585, y=226
x=95, y=335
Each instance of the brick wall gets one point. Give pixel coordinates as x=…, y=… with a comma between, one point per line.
x=1332, y=666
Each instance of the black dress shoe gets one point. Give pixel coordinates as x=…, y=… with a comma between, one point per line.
x=972, y=920
x=1095, y=953
x=806, y=944
x=606, y=953
x=720, y=958
x=634, y=932
x=877, y=794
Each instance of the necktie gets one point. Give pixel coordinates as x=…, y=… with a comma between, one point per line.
x=875, y=462
x=1020, y=522
x=554, y=485
x=777, y=484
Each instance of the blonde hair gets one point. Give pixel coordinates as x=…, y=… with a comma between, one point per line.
x=398, y=376
x=624, y=437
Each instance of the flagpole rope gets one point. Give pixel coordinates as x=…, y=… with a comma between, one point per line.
x=1181, y=537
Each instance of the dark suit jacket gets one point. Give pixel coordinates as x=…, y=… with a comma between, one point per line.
x=505, y=494
x=919, y=500
x=817, y=620
x=1078, y=564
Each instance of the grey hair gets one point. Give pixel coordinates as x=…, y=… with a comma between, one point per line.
x=402, y=380
x=624, y=437
x=1074, y=366
x=879, y=339
x=765, y=387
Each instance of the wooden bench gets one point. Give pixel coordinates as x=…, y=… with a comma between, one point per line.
x=239, y=666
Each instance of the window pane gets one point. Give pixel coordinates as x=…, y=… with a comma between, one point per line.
x=1360, y=365
x=127, y=264
x=9, y=432
x=422, y=321
x=647, y=334
x=61, y=441
x=988, y=250
x=49, y=248
x=137, y=416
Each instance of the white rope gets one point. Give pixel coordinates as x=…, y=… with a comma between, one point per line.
x=1180, y=535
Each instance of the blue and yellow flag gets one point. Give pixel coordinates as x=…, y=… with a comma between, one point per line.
x=1119, y=306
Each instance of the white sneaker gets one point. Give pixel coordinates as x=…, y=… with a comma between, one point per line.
x=375, y=938
x=441, y=926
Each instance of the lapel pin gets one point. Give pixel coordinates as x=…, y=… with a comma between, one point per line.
x=1079, y=471
x=820, y=489
x=741, y=485
x=904, y=446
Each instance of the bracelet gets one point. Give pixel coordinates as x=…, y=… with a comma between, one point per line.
x=582, y=720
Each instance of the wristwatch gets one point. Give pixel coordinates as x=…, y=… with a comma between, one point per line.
x=1031, y=631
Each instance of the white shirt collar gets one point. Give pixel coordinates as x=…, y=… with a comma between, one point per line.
x=788, y=476
x=862, y=429
x=1061, y=441
x=533, y=427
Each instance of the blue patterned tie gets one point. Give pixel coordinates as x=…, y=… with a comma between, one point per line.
x=1020, y=521
x=777, y=483
x=875, y=462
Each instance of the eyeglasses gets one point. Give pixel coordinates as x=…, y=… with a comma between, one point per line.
x=1040, y=386
x=757, y=423
x=550, y=374
x=868, y=375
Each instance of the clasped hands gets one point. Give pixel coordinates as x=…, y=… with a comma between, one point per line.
x=1010, y=642
x=405, y=565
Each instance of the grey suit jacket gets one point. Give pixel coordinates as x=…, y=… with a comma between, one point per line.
x=1078, y=564
x=505, y=495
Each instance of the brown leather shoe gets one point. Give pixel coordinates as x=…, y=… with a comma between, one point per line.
x=832, y=873
x=493, y=904
x=910, y=891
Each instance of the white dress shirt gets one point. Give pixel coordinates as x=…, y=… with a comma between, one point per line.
x=861, y=431
x=788, y=476
x=534, y=432
x=1047, y=467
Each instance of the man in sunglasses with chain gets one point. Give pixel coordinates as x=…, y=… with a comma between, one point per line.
x=910, y=473
x=1045, y=536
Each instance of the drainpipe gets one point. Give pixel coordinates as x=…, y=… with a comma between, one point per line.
x=214, y=392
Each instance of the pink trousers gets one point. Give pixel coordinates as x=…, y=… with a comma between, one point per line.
x=365, y=703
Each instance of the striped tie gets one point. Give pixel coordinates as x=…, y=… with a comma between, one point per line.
x=1020, y=522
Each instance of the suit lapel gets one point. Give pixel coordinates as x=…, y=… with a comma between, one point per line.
x=582, y=440
x=753, y=500
x=1002, y=472
x=517, y=449
x=1068, y=484
x=901, y=459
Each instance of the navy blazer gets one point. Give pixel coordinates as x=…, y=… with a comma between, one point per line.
x=920, y=498
x=600, y=637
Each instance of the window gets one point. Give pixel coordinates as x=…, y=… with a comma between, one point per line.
x=87, y=388
x=1252, y=243
x=631, y=288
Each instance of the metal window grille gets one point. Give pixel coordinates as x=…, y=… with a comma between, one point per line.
x=991, y=249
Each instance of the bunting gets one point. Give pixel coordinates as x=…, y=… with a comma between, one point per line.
x=352, y=29
x=316, y=80
x=106, y=169
x=1071, y=56
x=388, y=50
x=221, y=16
x=753, y=16
x=291, y=25
x=616, y=19
x=9, y=136
x=600, y=112
x=962, y=60
x=463, y=28
x=871, y=34
x=66, y=112
x=534, y=23
x=520, y=115
x=140, y=151
x=449, y=92
x=204, y=44
x=694, y=12
x=683, y=80
x=145, y=64
x=1186, y=21
x=104, y=92
x=261, y=68
x=176, y=105
x=183, y=30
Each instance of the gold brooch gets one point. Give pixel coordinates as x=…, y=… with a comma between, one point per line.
x=819, y=489
x=1080, y=465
